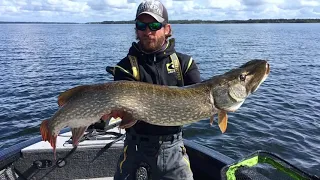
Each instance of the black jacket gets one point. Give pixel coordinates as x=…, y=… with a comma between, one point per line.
x=155, y=68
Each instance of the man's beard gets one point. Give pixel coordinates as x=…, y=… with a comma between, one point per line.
x=148, y=45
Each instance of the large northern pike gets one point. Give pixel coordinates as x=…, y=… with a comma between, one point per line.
x=155, y=104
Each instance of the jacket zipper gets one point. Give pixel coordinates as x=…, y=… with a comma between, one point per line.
x=156, y=66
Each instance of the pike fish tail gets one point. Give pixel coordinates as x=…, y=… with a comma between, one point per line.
x=47, y=136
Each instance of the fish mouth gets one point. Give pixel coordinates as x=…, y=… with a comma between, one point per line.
x=266, y=74
x=268, y=69
x=234, y=107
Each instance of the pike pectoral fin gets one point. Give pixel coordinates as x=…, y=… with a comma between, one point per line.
x=77, y=133
x=46, y=136
x=127, y=123
x=222, y=120
x=127, y=120
x=105, y=117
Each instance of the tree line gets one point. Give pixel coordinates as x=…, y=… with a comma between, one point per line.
x=22, y=22
x=186, y=21
x=221, y=22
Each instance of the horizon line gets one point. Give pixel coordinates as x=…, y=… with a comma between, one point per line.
x=181, y=20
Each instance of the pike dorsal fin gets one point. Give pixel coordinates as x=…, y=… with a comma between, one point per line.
x=222, y=120
x=67, y=95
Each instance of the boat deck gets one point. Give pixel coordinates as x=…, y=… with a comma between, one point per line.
x=64, y=142
x=94, y=158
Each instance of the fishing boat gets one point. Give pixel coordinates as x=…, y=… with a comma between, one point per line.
x=97, y=154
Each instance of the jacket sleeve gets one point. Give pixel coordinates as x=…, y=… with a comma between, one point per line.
x=123, y=71
x=192, y=74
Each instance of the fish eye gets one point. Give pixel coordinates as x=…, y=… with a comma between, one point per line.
x=242, y=77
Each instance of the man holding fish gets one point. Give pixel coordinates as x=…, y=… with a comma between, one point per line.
x=151, y=109
x=151, y=150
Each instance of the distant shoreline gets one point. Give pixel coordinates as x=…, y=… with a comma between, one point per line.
x=9, y=22
x=222, y=22
x=186, y=21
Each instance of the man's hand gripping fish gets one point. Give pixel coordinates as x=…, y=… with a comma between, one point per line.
x=155, y=104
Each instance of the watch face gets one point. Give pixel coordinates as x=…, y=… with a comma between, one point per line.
x=141, y=173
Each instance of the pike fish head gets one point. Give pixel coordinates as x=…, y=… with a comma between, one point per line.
x=232, y=88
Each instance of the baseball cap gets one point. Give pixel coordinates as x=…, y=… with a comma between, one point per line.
x=155, y=9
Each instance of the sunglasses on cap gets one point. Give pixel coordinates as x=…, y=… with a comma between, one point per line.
x=153, y=26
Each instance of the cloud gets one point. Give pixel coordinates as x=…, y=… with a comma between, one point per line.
x=104, y=4
x=225, y=4
x=101, y=10
x=252, y=2
x=22, y=7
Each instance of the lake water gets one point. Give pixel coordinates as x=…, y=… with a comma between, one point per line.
x=282, y=116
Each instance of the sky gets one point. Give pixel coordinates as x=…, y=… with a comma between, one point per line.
x=82, y=11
